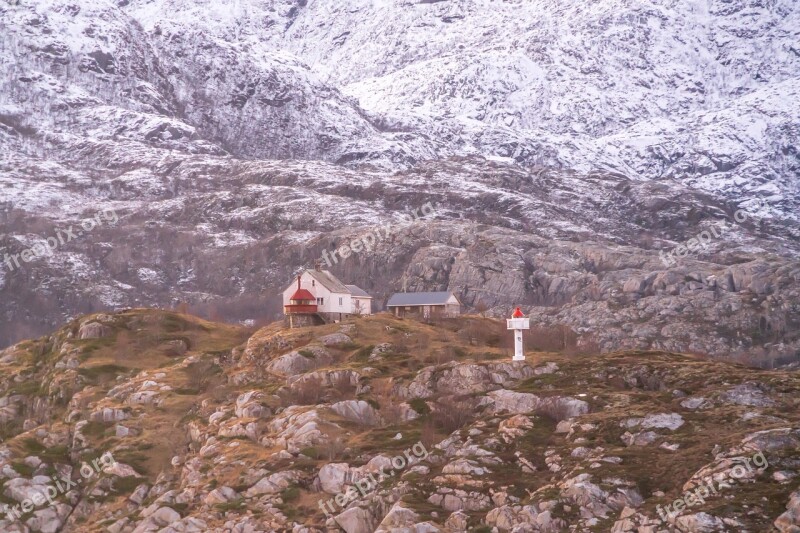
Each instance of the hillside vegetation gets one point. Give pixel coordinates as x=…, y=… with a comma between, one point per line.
x=216, y=427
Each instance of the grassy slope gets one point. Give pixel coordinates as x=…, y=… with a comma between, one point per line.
x=140, y=342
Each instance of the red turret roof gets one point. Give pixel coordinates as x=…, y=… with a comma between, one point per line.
x=302, y=294
x=517, y=313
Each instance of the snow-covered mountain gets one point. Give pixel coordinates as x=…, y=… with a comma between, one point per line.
x=250, y=134
x=700, y=91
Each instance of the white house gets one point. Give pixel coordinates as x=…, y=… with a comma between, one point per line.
x=318, y=293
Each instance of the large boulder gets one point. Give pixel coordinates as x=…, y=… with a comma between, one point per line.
x=700, y=523
x=298, y=427
x=249, y=405
x=356, y=520
x=357, y=411
x=558, y=407
x=458, y=500
x=671, y=421
x=401, y=518
x=49, y=519
x=273, y=484
x=789, y=522
x=300, y=361
x=93, y=330
x=334, y=476
x=750, y=394
x=21, y=489
x=335, y=339
x=460, y=378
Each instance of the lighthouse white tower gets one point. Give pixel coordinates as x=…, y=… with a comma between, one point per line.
x=518, y=322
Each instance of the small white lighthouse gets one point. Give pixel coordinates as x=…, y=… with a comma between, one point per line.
x=518, y=322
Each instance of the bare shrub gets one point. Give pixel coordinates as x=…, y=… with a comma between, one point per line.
x=261, y=308
x=303, y=392
x=333, y=448
x=556, y=411
x=760, y=357
x=428, y=434
x=202, y=375
x=585, y=345
x=123, y=348
x=557, y=338
x=477, y=332
x=382, y=387
x=343, y=388
x=390, y=409
x=392, y=414
x=451, y=414
x=445, y=355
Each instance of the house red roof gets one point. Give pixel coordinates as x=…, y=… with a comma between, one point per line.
x=302, y=294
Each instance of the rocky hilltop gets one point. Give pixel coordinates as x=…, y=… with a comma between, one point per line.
x=383, y=424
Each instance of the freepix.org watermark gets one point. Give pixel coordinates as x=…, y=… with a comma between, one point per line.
x=701, y=240
x=377, y=234
x=707, y=489
x=60, y=486
x=62, y=237
x=369, y=483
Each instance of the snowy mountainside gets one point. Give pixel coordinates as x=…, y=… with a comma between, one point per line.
x=698, y=91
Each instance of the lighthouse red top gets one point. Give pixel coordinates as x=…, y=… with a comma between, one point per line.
x=517, y=313
x=301, y=294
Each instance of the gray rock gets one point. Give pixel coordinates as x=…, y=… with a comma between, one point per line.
x=357, y=411
x=558, y=407
x=751, y=394
x=789, y=522
x=356, y=520
x=335, y=339
x=93, y=330
x=295, y=362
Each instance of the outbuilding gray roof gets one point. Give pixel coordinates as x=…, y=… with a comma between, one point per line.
x=419, y=298
x=357, y=291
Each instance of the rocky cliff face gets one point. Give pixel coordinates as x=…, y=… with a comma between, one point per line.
x=581, y=250
x=382, y=424
x=564, y=146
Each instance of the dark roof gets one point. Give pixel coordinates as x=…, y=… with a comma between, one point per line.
x=357, y=291
x=419, y=298
x=328, y=281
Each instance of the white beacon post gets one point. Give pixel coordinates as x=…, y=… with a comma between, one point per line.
x=518, y=322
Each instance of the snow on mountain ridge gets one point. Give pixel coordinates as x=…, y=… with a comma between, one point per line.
x=653, y=89
x=614, y=84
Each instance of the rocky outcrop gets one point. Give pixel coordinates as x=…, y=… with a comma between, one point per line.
x=554, y=443
x=523, y=403
x=459, y=379
x=300, y=361
x=790, y=520
x=297, y=428
x=357, y=411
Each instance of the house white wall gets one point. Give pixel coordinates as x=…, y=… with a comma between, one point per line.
x=366, y=305
x=338, y=303
x=331, y=302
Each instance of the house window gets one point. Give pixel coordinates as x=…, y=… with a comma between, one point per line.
x=340, y=301
x=313, y=283
x=320, y=301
